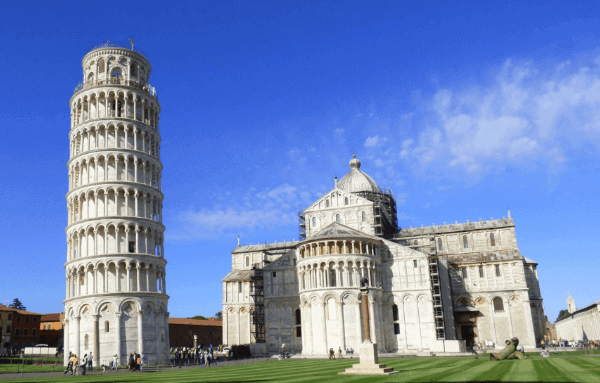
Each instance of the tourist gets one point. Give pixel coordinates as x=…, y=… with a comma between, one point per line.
x=340, y=353
x=90, y=362
x=138, y=362
x=75, y=365
x=70, y=364
x=143, y=360
x=84, y=364
x=115, y=362
x=208, y=359
x=331, y=353
x=130, y=362
x=216, y=360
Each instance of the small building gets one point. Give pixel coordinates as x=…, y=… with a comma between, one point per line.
x=6, y=319
x=581, y=324
x=51, y=329
x=24, y=327
x=182, y=332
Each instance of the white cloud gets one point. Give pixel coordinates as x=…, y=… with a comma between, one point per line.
x=525, y=117
x=257, y=210
x=372, y=142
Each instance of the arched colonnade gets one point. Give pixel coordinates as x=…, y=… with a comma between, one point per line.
x=114, y=238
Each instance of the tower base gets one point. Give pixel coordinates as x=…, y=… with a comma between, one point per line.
x=369, y=362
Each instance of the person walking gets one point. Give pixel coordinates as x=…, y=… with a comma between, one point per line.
x=83, y=364
x=75, y=364
x=130, y=362
x=115, y=362
x=138, y=362
x=143, y=361
x=90, y=358
x=216, y=360
x=340, y=356
x=70, y=364
x=208, y=359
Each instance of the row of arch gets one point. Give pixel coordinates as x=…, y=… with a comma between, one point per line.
x=114, y=201
x=104, y=67
x=115, y=276
x=115, y=103
x=338, y=273
x=115, y=238
x=115, y=167
x=326, y=247
x=115, y=135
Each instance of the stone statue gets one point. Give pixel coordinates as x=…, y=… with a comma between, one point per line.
x=509, y=352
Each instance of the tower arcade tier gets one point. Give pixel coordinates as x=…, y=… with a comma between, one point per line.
x=116, y=300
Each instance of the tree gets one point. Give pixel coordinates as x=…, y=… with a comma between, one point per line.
x=219, y=315
x=17, y=304
x=562, y=314
x=198, y=317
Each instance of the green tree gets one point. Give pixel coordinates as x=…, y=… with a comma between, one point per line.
x=197, y=317
x=219, y=315
x=562, y=314
x=17, y=304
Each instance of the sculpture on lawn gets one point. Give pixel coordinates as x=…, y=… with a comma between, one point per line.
x=509, y=352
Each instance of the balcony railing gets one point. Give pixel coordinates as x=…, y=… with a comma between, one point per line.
x=117, y=81
x=110, y=44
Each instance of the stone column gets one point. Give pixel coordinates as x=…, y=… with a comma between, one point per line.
x=148, y=281
x=118, y=336
x=140, y=331
x=138, y=268
x=96, y=340
x=95, y=287
x=340, y=313
x=225, y=325
x=309, y=329
x=492, y=314
x=324, y=327
x=117, y=282
x=77, y=324
x=67, y=346
x=128, y=267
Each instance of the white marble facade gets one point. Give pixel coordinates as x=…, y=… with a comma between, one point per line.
x=116, y=300
x=436, y=288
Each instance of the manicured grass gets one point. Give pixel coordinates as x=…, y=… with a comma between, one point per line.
x=553, y=369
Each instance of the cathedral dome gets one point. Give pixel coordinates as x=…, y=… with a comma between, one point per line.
x=356, y=180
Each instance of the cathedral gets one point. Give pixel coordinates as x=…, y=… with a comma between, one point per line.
x=435, y=288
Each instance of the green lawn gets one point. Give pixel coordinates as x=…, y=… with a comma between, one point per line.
x=554, y=369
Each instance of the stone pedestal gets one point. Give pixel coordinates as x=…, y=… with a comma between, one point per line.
x=369, y=362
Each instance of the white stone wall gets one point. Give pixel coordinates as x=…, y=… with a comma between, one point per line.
x=583, y=325
x=320, y=214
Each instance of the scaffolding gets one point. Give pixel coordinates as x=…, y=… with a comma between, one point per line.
x=384, y=212
x=302, y=225
x=257, y=294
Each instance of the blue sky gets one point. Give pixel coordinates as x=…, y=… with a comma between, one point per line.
x=462, y=109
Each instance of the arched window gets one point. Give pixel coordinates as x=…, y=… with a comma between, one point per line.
x=498, y=304
x=415, y=263
x=440, y=247
x=298, y=318
x=346, y=201
x=465, y=243
x=395, y=317
x=332, y=281
x=314, y=221
x=364, y=216
x=106, y=326
x=247, y=261
x=497, y=270
x=492, y=240
x=337, y=218
x=415, y=243
x=326, y=203
x=480, y=271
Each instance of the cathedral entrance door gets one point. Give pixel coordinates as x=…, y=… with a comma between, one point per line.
x=468, y=334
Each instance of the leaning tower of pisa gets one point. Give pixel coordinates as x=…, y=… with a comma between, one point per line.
x=116, y=299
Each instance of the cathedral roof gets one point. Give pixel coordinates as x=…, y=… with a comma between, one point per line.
x=337, y=230
x=357, y=180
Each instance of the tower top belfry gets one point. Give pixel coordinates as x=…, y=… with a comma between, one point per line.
x=116, y=301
